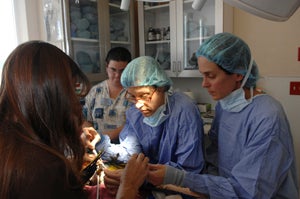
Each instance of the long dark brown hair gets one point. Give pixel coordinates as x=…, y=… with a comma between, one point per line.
x=38, y=104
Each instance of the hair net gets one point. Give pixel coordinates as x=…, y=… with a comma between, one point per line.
x=230, y=53
x=144, y=71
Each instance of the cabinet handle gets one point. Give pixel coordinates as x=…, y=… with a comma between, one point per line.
x=179, y=69
x=174, y=67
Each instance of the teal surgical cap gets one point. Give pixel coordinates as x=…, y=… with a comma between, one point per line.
x=230, y=53
x=144, y=71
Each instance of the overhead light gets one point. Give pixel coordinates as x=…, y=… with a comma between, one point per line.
x=125, y=5
x=157, y=1
x=198, y=4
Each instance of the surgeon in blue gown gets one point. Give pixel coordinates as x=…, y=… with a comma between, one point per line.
x=164, y=125
x=251, y=141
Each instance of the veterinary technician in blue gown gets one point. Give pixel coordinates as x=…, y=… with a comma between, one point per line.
x=166, y=126
x=251, y=142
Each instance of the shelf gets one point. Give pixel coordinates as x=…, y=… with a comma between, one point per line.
x=188, y=1
x=115, y=9
x=156, y=7
x=114, y=5
x=120, y=42
x=196, y=38
x=84, y=40
x=158, y=42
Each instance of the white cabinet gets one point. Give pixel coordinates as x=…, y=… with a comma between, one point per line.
x=87, y=29
x=172, y=31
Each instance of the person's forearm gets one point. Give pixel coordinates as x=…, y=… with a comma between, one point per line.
x=126, y=192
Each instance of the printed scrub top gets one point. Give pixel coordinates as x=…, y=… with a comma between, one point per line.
x=103, y=112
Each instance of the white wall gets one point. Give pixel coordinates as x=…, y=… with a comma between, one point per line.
x=8, y=37
x=274, y=45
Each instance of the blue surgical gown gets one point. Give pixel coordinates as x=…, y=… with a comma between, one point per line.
x=178, y=141
x=255, y=156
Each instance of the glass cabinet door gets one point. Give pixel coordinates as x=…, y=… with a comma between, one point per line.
x=87, y=29
x=197, y=26
x=84, y=34
x=173, y=31
x=73, y=26
x=120, y=26
x=156, y=33
x=53, y=23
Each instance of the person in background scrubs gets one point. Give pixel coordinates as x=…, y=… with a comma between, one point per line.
x=166, y=126
x=251, y=142
x=105, y=105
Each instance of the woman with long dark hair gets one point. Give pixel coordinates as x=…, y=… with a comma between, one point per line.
x=41, y=121
x=41, y=150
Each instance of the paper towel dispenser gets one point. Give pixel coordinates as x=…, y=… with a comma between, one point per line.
x=276, y=10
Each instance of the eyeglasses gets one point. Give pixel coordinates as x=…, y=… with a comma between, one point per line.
x=146, y=96
x=114, y=70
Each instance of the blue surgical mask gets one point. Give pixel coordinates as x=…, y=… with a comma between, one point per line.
x=159, y=116
x=236, y=101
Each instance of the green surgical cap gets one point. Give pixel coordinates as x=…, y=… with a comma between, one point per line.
x=230, y=53
x=144, y=71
